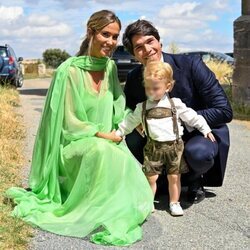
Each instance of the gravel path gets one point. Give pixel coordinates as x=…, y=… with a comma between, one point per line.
x=221, y=221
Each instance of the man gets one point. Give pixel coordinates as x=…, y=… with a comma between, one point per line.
x=198, y=88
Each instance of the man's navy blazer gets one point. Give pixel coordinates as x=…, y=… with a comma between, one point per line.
x=198, y=88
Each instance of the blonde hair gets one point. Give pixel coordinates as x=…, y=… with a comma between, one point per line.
x=96, y=23
x=156, y=70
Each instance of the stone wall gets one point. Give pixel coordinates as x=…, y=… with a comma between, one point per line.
x=33, y=67
x=241, y=76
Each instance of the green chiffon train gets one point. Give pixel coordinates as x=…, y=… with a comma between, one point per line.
x=81, y=183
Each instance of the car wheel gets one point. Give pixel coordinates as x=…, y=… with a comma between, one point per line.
x=20, y=81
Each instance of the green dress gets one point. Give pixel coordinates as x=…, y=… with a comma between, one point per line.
x=81, y=183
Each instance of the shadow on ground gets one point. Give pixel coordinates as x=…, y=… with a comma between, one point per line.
x=162, y=199
x=39, y=92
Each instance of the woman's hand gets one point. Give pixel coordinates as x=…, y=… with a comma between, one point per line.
x=210, y=136
x=113, y=137
x=109, y=136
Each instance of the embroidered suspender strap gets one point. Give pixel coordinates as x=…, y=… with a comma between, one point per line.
x=143, y=113
x=175, y=123
x=144, y=118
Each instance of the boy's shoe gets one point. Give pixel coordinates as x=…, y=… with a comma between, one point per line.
x=175, y=209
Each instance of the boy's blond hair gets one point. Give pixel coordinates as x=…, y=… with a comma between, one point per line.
x=159, y=71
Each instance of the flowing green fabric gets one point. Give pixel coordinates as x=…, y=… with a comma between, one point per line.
x=81, y=183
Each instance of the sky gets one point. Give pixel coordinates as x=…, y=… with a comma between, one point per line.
x=32, y=26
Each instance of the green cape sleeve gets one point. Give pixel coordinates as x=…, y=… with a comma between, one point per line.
x=57, y=125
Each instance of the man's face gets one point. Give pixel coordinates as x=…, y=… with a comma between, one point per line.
x=146, y=48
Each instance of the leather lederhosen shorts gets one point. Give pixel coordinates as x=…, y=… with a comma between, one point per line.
x=168, y=156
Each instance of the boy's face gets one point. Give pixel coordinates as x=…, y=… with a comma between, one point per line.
x=146, y=48
x=155, y=89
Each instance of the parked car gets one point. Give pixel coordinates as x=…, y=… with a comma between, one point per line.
x=10, y=69
x=124, y=61
x=230, y=54
x=212, y=55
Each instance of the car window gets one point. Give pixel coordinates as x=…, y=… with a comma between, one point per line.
x=121, y=50
x=12, y=52
x=218, y=57
x=206, y=57
x=3, y=52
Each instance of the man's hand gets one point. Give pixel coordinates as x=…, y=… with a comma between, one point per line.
x=210, y=136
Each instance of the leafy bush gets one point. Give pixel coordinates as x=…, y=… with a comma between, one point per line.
x=54, y=57
x=241, y=111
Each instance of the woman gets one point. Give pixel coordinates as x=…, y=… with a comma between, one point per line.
x=81, y=180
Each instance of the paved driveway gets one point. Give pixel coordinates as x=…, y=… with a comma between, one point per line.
x=221, y=221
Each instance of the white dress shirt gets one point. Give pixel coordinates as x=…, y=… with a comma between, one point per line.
x=162, y=129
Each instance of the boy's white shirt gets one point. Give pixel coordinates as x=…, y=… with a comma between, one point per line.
x=162, y=129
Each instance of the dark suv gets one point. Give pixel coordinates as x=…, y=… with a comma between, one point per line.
x=212, y=55
x=10, y=69
x=124, y=62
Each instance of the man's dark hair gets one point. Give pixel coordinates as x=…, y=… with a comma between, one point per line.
x=140, y=27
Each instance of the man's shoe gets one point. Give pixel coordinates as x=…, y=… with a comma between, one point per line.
x=196, y=196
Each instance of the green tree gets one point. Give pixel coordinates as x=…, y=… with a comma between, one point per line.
x=54, y=57
x=173, y=48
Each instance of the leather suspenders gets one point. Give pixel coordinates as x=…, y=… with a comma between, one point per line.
x=174, y=114
x=174, y=118
x=144, y=118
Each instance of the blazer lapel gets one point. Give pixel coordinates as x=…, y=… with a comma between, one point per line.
x=168, y=58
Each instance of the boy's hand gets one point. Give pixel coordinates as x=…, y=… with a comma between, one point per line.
x=210, y=136
x=140, y=130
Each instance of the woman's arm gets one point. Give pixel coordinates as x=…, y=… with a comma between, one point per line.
x=76, y=124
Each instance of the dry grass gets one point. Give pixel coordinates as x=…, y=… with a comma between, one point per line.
x=13, y=232
x=244, y=123
x=222, y=71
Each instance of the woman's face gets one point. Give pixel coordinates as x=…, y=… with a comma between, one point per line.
x=105, y=41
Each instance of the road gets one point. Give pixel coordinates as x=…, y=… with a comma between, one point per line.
x=221, y=221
